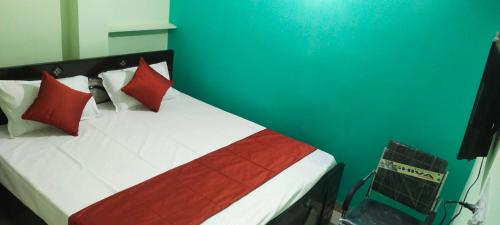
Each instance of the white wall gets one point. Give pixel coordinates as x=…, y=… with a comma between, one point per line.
x=93, y=27
x=37, y=31
x=30, y=32
x=95, y=17
x=491, y=169
x=138, y=13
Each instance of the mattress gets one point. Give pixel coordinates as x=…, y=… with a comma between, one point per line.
x=56, y=175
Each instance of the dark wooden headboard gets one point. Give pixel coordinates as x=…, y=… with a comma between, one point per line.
x=88, y=67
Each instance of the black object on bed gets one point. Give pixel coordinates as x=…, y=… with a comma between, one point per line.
x=316, y=205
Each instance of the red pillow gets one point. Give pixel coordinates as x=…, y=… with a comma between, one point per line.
x=58, y=105
x=147, y=86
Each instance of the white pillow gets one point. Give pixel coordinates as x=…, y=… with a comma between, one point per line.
x=114, y=80
x=16, y=96
x=161, y=68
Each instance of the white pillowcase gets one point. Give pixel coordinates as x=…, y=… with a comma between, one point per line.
x=114, y=80
x=161, y=68
x=16, y=97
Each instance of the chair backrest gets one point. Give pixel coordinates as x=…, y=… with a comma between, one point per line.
x=411, y=177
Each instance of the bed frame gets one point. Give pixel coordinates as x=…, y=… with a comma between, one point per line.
x=316, y=206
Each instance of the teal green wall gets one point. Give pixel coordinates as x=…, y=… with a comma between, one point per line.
x=345, y=76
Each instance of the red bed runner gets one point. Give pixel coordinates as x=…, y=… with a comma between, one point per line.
x=195, y=191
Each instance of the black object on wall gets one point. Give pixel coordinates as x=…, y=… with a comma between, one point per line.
x=485, y=118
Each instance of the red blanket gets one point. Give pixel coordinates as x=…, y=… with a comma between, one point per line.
x=193, y=192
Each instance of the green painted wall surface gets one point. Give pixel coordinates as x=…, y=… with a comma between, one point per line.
x=138, y=41
x=135, y=13
x=345, y=76
x=30, y=32
x=70, y=30
x=33, y=31
x=93, y=28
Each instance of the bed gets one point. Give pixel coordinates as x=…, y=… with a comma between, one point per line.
x=56, y=175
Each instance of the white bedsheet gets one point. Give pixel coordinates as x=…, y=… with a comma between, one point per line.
x=56, y=175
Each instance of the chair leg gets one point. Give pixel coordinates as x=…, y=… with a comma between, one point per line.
x=430, y=218
x=343, y=221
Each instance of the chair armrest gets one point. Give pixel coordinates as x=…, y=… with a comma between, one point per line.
x=352, y=192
